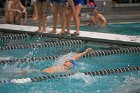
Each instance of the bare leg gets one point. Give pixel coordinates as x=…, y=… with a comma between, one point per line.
x=10, y=17
x=18, y=17
x=77, y=56
x=39, y=16
x=62, y=14
x=68, y=18
x=21, y=19
x=35, y=14
x=55, y=17
x=44, y=18
x=76, y=17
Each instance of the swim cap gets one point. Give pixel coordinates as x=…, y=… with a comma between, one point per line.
x=74, y=63
x=91, y=4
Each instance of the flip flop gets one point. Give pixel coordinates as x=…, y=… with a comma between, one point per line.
x=65, y=33
x=38, y=31
x=52, y=32
x=75, y=34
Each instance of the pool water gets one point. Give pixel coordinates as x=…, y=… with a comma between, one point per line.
x=47, y=51
x=28, y=40
x=128, y=82
x=123, y=29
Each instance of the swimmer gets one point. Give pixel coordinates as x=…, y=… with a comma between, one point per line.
x=66, y=66
x=69, y=63
x=74, y=10
x=59, y=8
x=97, y=19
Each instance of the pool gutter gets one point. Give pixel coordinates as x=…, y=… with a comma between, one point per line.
x=86, y=36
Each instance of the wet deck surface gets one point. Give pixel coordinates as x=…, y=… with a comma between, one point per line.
x=91, y=35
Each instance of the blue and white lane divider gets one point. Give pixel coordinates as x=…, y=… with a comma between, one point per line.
x=42, y=45
x=55, y=76
x=13, y=36
x=94, y=53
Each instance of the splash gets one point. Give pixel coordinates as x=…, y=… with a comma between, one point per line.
x=62, y=58
x=131, y=84
x=86, y=78
x=8, y=71
x=5, y=58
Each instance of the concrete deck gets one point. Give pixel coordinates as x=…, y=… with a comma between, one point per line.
x=90, y=35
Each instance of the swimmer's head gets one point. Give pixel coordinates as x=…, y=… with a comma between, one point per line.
x=96, y=10
x=68, y=64
x=91, y=4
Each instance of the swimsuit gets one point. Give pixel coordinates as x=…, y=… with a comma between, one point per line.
x=74, y=63
x=93, y=5
x=77, y=2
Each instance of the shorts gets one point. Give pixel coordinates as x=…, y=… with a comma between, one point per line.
x=61, y=2
x=77, y=2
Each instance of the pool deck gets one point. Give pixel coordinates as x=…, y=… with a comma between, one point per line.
x=83, y=34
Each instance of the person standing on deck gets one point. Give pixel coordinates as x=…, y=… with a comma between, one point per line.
x=78, y=5
x=59, y=10
x=42, y=8
x=35, y=10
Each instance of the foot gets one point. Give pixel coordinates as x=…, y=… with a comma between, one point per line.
x=39, y=30
x=43, y=30
x=52, y=32
x=64, y=33
x=75, y=34
x=67, y=32
x=34, y=18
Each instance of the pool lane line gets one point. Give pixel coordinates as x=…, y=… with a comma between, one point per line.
x=83, y=38
x=93, y=54
x=13, y=36
x=42, y=45
x=114, y=51
x=55, y=76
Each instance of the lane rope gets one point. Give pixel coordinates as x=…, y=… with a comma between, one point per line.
x=55, y=76
x=94, y=53
x=42, y=45
x=13, y=36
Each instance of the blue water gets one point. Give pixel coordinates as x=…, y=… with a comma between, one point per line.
x=43, y=52
x=28, y=40
x=123, y=29
x=128, y=82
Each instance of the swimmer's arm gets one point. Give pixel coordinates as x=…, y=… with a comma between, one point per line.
x=103, y=20
x=24, y=72
x=93, y=22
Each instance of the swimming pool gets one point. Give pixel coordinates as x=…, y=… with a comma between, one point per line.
x=120, y=28
x=127, y=82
